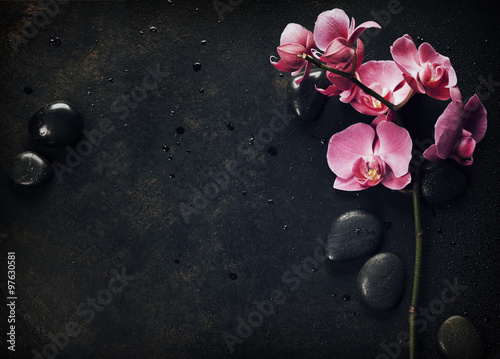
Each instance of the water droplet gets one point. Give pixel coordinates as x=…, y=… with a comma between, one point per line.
x=180, y=130
x=171, y=175
x=153, y=29
x=233, y=276
x=270, y=202
x=285, y=226
x=439, y=231
x=203, y=42
x=111, y=80
x=28, y=90
x=202, y=90
x=387, y=224
x=346, y=297
x=55, y=41
x=177, y=261
x=141, y=32
x=165, y=148
x=230, y=127
x=196, y=66
x=170, y=158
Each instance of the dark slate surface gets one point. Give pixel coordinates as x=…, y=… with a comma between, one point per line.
x=103, y=253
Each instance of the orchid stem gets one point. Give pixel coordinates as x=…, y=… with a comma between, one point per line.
x=418, y=259
x=349, y=76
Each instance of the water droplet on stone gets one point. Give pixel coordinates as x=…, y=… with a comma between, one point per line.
x=171, y=175
x=203, y=42
x=230, y=127
x=55, y=41
x=177, y=261
x=153, y=29
x=202, y=90
x=111, y=80
x=197, y=66
x=233, y=276
x=270, y=202
x=165, y=148
x=346, y=297
x=180, y=130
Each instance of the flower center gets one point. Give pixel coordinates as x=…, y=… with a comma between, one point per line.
x=369, y=171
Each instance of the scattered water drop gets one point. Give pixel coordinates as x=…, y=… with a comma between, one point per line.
x=233, y=276
x=55, y=41
x=230, y=127
x=111, y=80
x=270, y=202
x=197, y=66
x=153, y=29
x=180, y=130
x=177, y=261
x=171, y=175
x=165, y=148
x=346, y=297
x=203, y=42
x=202, y=90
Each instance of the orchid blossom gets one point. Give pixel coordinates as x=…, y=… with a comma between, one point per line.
x=363, y=157
x=425, y=70
x=386, y=79
x=458, y=130
x=295, y=40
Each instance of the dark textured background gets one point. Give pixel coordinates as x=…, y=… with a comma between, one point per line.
x=120, y=207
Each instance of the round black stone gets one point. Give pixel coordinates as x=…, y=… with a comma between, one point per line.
x=353, y=235
x=381, y=281
x=30, y=169
x=442, y=182
x=305, y=99
x=457, y=338
x=57, y=124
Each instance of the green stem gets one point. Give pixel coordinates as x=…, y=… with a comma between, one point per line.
x=418, y=259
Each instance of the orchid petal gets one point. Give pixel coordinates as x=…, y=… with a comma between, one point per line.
x=448, y=129
x=347, y=146
x=330, y=25
x=431, y=154
x=396, y=183
x=350, y=184
x=395, y=147
x=474, y=118
x=405, y=54
x=354, y=35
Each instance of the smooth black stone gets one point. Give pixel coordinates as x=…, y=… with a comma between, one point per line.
x=381, y=281
x=442, y=182
x=57, y=124
x=305, y=99
x=353, y=235
x=458, y=339
x=30, y=169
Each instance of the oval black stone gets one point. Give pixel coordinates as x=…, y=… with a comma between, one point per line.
x=30, y=169
x=353, y=235
x=57, y=124
x=381, y=281
x=457, y=338
x=305, y=99
x=442, y=182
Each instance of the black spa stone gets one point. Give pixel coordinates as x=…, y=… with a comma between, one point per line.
x=458, y=339
x=30, y=169
x=354, y=234
x=381, y=281
x=304, y=98
x=442, y=181
x=58, y=124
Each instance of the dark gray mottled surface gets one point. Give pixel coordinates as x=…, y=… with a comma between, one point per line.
x=119, y=207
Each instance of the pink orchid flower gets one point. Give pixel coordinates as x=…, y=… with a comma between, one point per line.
x=363, y=157
x=425, y=70
x=295, y=40
x=385, y=78
x=458, y=130
x=334, y=24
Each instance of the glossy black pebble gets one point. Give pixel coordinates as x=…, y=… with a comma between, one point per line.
x=381, y=281
x=58, y=124
x=30, y=169
x=305, y=99
x=354, y=234
x=442, y=181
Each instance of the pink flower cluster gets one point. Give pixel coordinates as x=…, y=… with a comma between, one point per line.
x=365, y=155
